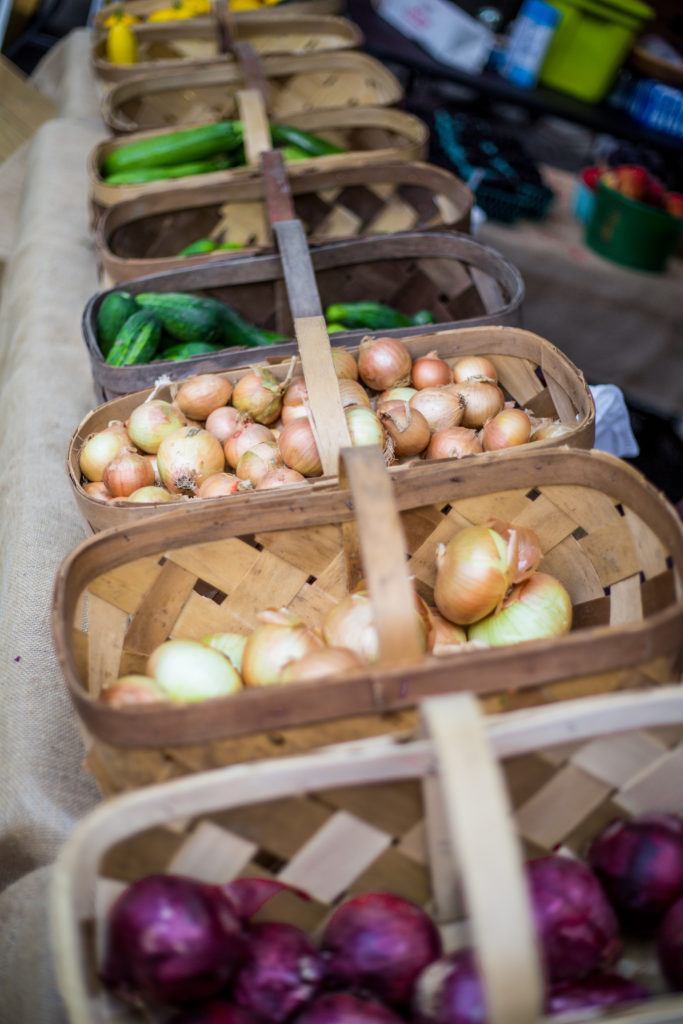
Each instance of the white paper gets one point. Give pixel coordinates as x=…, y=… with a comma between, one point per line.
x=444, y=30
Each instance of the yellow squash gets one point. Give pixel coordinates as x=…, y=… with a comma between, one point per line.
x=119, y=17
x=122, y=44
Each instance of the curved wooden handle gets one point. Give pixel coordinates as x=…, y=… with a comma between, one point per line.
x=480, y=829
x=383, y=554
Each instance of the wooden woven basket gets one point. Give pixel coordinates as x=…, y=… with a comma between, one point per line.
x=531, y=370
x=192, y=43
x=143, y=8
x=610, y=537
x=427, y=819
x=144, y=235
x=461, y=281
x=295, y=84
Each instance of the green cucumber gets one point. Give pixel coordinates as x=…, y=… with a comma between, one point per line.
x=333, y=328
x=186, y=317
x=285, y=135
x=187, y=349
x=114, y=310
x=137, y=341
x=423, y=316
x=201, y=245
x=373, y=316
x=179, y=147
x=238, y=332
x=294, y=153
x=143, y=174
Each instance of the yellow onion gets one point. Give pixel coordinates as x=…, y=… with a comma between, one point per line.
x=229, y=644
x=200, y=395
x=258, y=462
x=328, y=661
x=245, y=437
x=473, y=573
x=453, y=443
x=152, y=459
x=524, y=543
x=99, y=490
x=474, y=367
x=282, y=637
x=152, y=421
x=132, y=690
x=186, y=457
x=407, y=428
x=259, y=394
x=548, y=430
x=127, y=472
x=431, y=372
x=384, y=363
x=447, y=635
x=292, y=412
x=189, y=671
x=482, y=401
x=509, y=428
x=100, y=449
x=353, y=393
x=218, y=485
x=298, y=448
x=345, y=366
x=351, y=624
x=364, y=426
x=439, y=406
x=283, y=477
x=296, y=393
x=537, y=609
x=224, y=422
x=394, y=395
x=150, y=495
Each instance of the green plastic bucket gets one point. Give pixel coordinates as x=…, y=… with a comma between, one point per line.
x=590, y=44
x=631, y=233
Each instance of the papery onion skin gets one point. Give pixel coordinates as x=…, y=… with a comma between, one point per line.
x=474, y=366
x=282, y=637
x=364, y=427
x=200, y=395
x=447, y=635
x=440, y=407
x=508, y=429
x=453, y=443
x=99, y=490
x=327, y=662
x=449, y=991
x=380, y=942
x=100, y=449
x=151, y=422
x=188, y=671
x=576, y=926
x=219, y=485
x=151, y=495
x=384, y=363
x=132, y=690
x=298, y=448
x=245, y=437
x=127, y=472
x=605, y=989
x=344, y=1008
x=550, y=431
x=229, y=644
x=345, y=366
x=258, y=462
x=351, y=624
x=292, y=412
x=353, y=393
x=224, y=422
x=259, y=395
x=172, y=940
x=528, y=545
x=407, y=428
x=281, y=974
x=284, y=477
x=394, y=395
x=296, y=393
x=214, y=1013
x=472, y=576
x=430, y=372
x=640, y=863
x=670, y=945
x=537, y=609
x=482, y=401
x=187, y=457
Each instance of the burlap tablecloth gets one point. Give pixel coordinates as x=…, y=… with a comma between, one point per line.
x=45, y=390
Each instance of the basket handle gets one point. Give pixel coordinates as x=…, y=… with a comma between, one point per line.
x=383, y=554
x=224, y=22
x=479, y=825
x=254, y=117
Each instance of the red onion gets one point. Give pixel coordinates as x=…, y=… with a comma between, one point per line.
x=214, y=1013
x=576, y=926
x=450, y=991
x=171, y=939
x=342, y=1008
x=281, y=974
x=380, y=942
x=640, y=862
x=670, y=946
x=598, y=990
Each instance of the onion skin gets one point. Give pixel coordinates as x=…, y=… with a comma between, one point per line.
x=296, y=393
x=282, y=972
x=343, y=1008
x=364, y=427
x=224, y=422
x=199, y=396
x=482, y=401
x=384, y=363
x=292, y=412
x=640, y=863
x=260, y=460
x=394, y=395
x=229, y=644
x=508, y=429
x=258, y=395
x=189, y=671
x=476, y=367
x=447, y=635
x=283, y=477
x=407, y=428
x=449, y=991
x=187, y=457
x=607, y=989
x=99, y=490
x=247, y=435
x=441, y=407
x=298, y=448
x=219, y=485
x=214, y=1013
x=529, y=550
x=670, y=946
x=352, y=393
x=100, y=449
x=281, y=638
x=132, y=690
x=322, y=664
x=127, y=472
x=345, y=366
x=472, y=575
x=453, y=443
x=172, y=940
x=430, y=372
x=151, y=422
x=537, y=609
x=151, y=495
x=576, y=926
x=380, y=942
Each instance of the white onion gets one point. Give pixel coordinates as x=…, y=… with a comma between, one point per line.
x=364, y=427
x=132, y=690
x=229, y=644
x=100, y=449
x=189, y=671
x=537, y=609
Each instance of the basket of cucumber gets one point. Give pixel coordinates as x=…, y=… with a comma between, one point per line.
x=191, y=226
x=190, y=43
x=294, y=85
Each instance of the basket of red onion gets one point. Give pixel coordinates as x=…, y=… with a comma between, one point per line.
x=381, y=882
x=435, y=397
x=204, y=636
